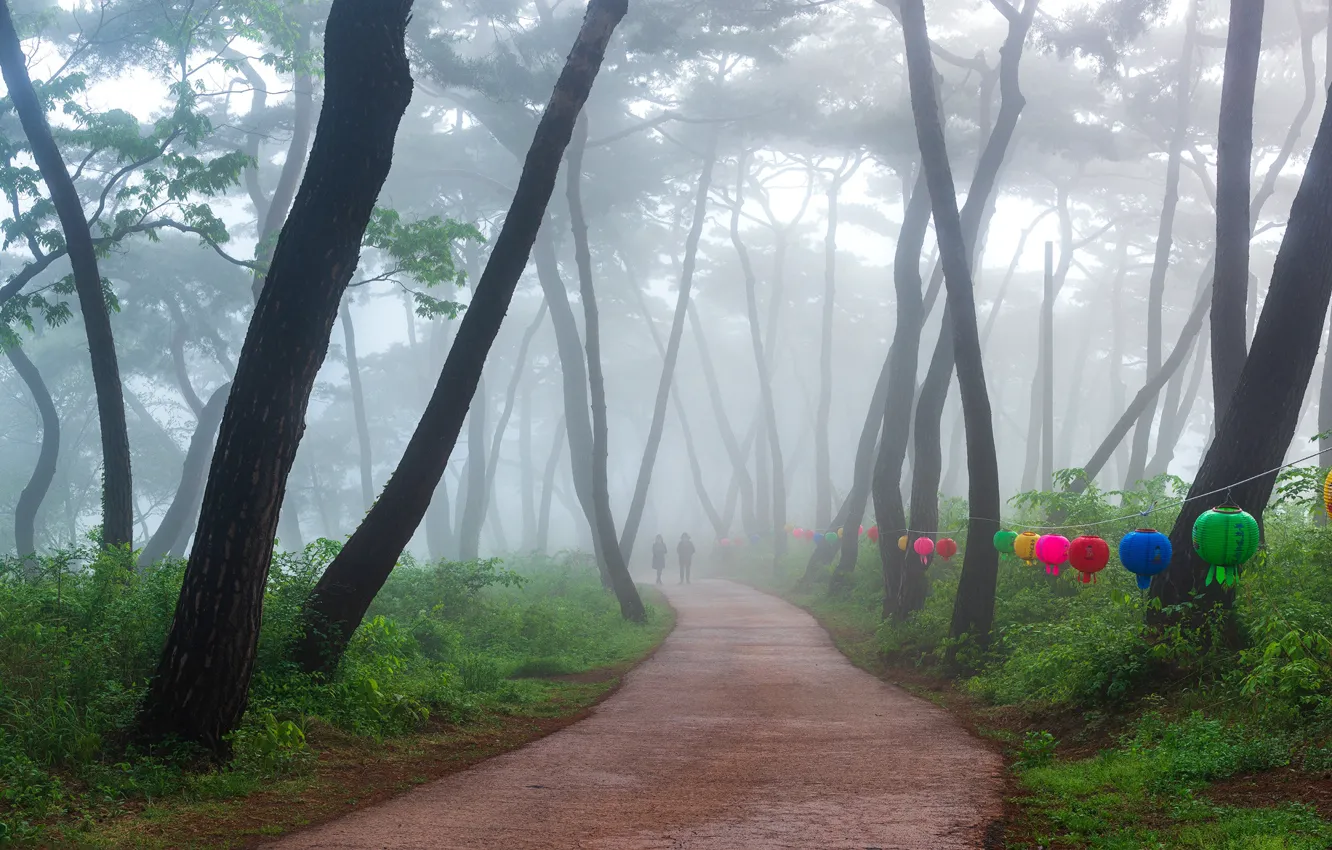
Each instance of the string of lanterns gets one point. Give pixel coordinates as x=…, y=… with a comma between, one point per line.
x=1225, y=538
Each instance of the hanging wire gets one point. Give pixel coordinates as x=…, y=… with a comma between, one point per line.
x=1151, y=509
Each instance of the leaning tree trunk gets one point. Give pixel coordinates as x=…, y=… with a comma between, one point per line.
x=1234, y=151
x=358, y=407
x=184, y=510
x=974, y=608
x=890, y=404
x=778, y=516
x=1164, y=237
x=352, y=580
x=635, y=515
x=542, y=542
x=201, y=687
x=1255, y=432
x=973, y=612
x=117, y=488
x=475, y=497
x=631, y=607
x=39, y=483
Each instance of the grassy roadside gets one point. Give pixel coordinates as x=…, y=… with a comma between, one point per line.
x=454, y=663
x=1184, y=769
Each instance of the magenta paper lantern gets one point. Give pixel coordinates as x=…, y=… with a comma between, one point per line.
x=924, y=547
x=1052, y=550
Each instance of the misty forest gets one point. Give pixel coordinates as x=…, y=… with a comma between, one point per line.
x=779, y=423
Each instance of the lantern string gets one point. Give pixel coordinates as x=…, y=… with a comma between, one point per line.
x=1151, y=509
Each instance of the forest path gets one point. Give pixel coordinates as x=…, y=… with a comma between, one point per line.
x=747, y=729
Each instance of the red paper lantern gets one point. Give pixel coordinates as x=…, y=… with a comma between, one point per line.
x=725, y=541
x=1088, y=555
x=924, y=547
x=873, y=534
x=946, y=548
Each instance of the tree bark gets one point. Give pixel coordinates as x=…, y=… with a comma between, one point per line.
x=1164, y=237
x=358, y=407
x=174, y=529
x=1234, y=152
x=631, y=606
x=548, y=489
x=201, y=687
x=973, y=612
x=1255, y=432
x=631, y=523
x=43, y=473
x=117, y=487
x=350, y=583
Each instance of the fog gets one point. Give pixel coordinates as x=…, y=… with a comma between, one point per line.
x=810, y=96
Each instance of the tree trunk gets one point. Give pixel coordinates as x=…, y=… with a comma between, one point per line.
x=358, y=407
x=117, y=488
x=39, y=483
x=1234, y=152
x=1255, y=432
x=1160, y=464
x=1047, y=371
x=1069, y=426
x=1031, y=477
x=778, y=516
x=973, y=612
x=635, y=515
x=477, y=495
x=739, y=462
x=548, y=489
x=1164, y=237
x=631, y=606
x=527, y=472
x=201, y=687
x=890, y=404
x=822, y=454
x=175, y=527
x=350, y=583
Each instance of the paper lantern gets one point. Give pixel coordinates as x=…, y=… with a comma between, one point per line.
x=1003, y=541
x=873, y=534
x=1145, y=553
x=789, y=527
x=946, y=548
x=924, y=547
x=818, y=537
x=862, y=531
x=725, y=542
x=902, y=542
x=840, y=532
x=738, y=541
x=798, y=533
x=1088, y=555
x=754, y=538
x=832, y=535
x=1052, y=550
x=809, y=534
x=1225, y=538
x=1025, y=547
x=1327, y=494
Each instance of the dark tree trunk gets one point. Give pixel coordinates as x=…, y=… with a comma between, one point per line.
x=476, y=495
x=117, y=488
x=631, y=606
x=973, y=612
x=778, y=515
x=349, y=585
x=635, y=515
x=527, y=472
x=739, y=462
x=890, y=404
x=1255, y=432
x=1164, y=237
x=39, y=483
x=548, y=488
x=358, y=408
x=175, y=528
x=201, y=687
x=1234, y=152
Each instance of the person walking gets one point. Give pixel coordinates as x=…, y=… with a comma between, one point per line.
x=685, y=549
x=659, y=556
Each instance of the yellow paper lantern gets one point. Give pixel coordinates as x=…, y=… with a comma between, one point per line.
x=1025, y=546
x=902, y=542
x=1327, y=494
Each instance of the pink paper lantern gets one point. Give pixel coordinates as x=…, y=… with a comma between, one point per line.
x=1052, y=550
x=924, y=547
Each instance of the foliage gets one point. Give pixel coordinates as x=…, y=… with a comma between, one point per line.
x=442, y=644
x=421, y=251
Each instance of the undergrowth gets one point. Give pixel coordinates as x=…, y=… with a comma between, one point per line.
x=81, y=633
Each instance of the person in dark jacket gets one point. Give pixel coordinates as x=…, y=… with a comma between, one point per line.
x=659, y=556
x=685, y=549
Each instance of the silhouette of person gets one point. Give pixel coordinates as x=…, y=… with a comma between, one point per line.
x=685, y=549
x=659, y=556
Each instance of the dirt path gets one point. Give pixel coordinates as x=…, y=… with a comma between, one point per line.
x=747, y=729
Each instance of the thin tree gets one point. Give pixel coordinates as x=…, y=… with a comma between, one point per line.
x=358, y=406
x=352, y=580
x=43, y=473
x=117, y=486
x=201, y=687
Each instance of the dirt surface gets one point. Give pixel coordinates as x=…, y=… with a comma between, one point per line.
x=1275, y=788
x=747, y=729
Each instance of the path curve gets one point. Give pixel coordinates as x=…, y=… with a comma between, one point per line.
x=747, y=729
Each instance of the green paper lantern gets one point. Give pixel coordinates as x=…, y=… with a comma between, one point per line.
x=1003, y=541
x=1225, y=538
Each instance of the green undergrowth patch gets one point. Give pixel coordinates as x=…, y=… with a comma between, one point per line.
x=446, y=647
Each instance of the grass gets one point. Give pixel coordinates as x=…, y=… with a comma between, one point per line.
x=455, y=662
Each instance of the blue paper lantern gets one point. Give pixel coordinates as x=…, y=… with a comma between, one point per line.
x=754, y=538
x=1145, y=553
x=818, y=537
